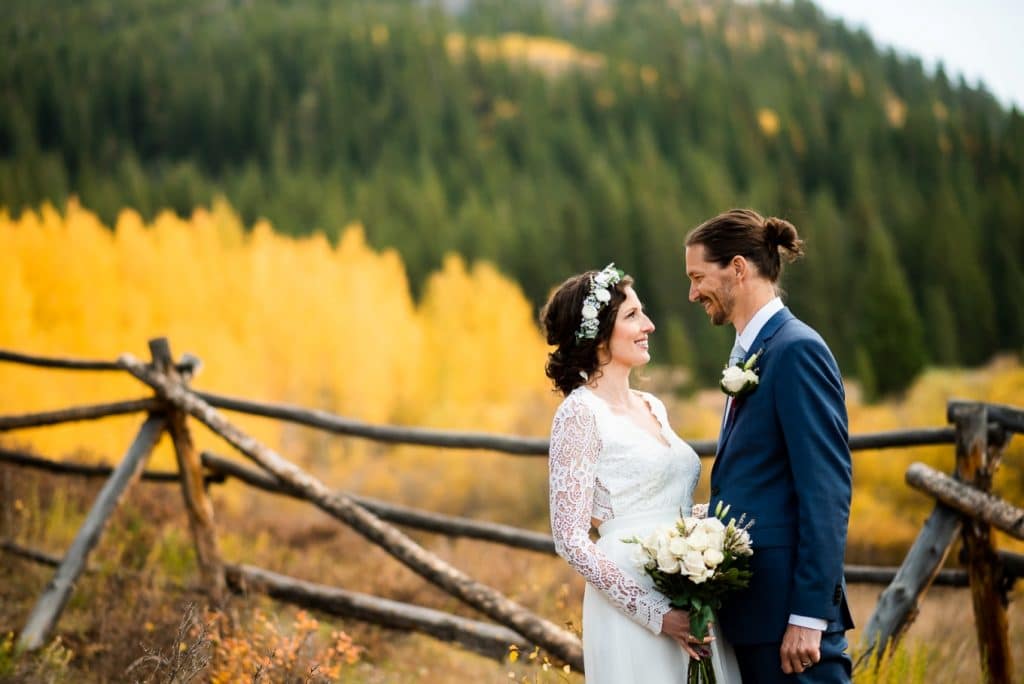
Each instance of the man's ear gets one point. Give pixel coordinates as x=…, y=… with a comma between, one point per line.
x=739, y=266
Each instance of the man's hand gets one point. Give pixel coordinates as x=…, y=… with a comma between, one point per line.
x=801, y=649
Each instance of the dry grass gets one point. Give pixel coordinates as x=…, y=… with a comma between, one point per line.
x=129, y=610
x=943, y=636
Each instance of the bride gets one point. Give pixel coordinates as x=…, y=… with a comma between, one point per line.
x=615, y=464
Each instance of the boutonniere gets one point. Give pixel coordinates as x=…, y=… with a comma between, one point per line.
x=742, y=378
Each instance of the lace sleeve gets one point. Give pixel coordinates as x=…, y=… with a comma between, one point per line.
x=575, y=447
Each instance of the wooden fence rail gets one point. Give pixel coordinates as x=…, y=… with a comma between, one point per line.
x=1009, y=417
x=220, y=469
x=522, y=446
x=57, y=362
x=78, y=413
x=452, y=439
x=26, y=460
x=484, y=638
x=964, y=508
x=968, y=500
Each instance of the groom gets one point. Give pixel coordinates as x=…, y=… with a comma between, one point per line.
x=783, y=456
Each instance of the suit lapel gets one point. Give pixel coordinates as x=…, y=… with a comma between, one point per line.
x=767, y=332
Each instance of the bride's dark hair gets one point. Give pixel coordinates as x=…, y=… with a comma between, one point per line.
x=560, y=319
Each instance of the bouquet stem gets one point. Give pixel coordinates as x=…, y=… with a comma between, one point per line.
x=700, y=671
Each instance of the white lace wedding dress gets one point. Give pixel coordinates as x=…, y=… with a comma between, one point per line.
x=605, y=466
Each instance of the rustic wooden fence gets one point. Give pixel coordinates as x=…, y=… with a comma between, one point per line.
x=964, y=508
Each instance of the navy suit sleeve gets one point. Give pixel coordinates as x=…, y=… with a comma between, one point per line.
x=812, y=413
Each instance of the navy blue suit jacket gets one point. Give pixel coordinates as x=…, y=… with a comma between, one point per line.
x=784, y=460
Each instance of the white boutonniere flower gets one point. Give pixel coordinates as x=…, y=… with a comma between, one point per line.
x=742, y=378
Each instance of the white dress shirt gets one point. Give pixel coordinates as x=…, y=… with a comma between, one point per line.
x=746, y=339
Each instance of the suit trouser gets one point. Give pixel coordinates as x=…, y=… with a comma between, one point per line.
x=760, y=663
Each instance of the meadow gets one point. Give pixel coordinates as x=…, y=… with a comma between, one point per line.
x=335, y=326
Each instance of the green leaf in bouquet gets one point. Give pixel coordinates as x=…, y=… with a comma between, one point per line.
x=700, y=617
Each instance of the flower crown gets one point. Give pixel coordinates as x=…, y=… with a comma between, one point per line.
x=597, y=298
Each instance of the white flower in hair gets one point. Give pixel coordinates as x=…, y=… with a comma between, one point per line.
x=596, y=300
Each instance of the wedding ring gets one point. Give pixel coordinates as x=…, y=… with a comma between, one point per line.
x=805, y=663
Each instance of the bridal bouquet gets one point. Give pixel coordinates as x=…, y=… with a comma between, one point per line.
x=695, y=563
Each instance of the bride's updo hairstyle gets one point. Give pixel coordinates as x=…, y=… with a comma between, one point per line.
x=560, y=319
x=765, y=242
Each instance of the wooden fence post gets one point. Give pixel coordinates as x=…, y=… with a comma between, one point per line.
x=975, y=464
x=197, y=502
x=897, y=605
x=53, y=599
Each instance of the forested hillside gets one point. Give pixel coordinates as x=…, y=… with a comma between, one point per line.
x=547, y=138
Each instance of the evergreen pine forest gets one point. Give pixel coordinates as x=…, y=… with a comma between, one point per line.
x=547, y=138
x=359, y=206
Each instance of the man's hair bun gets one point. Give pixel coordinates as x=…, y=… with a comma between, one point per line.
x=781, y=234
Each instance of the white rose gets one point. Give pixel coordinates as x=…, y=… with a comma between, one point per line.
x=750, y=377
x=660, y=535
x=589, y=312
x=603, y=295
x=698, y=539
x=658, y=539
x=715, y=531
x=733, y=378
x=667, y=562
x=712, y=557
x=713, y=525
x=642, y=559
x=679, y=546
x=693, y=565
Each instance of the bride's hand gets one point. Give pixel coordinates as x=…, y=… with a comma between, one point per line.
x=676, y=624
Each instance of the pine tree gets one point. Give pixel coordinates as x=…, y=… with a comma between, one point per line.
x=889, y=330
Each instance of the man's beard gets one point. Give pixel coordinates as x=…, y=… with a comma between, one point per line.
x=721, y=313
